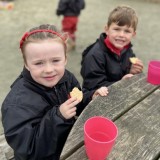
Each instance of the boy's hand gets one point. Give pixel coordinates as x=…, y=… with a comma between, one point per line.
x=103, y=91
x=137, y=67
x=127, y=76
x=68, y=108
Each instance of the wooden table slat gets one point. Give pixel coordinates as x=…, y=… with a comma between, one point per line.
x=136, y=129
x=139, y=131
x=130, y=92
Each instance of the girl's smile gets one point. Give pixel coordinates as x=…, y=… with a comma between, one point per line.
x=50, y=78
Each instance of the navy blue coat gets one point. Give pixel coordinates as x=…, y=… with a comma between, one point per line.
x=101, y=67
x=70, y=7
x=33, y=125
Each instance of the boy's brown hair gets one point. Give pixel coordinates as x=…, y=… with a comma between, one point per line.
x=123, y=15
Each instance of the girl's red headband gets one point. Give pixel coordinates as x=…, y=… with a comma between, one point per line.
x=27, y=34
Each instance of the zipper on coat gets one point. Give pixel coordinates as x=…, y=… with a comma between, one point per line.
x=55, y=89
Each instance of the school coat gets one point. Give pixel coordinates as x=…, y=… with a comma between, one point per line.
x=102, y=67
x=70, y=7
x=33, y=125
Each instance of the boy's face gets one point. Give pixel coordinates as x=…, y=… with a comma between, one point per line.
x=46, y=61
x=119, y=36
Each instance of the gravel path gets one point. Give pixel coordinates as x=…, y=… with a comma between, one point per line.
x=29, y=13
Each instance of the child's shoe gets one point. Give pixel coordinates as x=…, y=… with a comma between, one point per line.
x=71, y=45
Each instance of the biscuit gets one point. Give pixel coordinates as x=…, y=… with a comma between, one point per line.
x=133, y=60
x=76, y=93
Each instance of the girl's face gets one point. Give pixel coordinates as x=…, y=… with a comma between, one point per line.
x=119, y=36
x=46, y=61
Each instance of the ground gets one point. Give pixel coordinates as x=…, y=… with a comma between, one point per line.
x=26, y=14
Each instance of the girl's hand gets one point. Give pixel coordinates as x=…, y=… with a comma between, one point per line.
x=68, y=108
x=137, y=67
x=103, y=91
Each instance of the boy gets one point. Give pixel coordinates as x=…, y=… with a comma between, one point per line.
x=70, y=9
x=108, y=59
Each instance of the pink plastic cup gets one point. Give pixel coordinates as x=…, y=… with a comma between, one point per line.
x=100, y=134
x=154, y=72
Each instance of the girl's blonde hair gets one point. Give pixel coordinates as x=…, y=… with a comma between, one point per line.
x=43, y=32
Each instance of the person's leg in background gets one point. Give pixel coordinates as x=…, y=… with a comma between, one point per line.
x=69, y=25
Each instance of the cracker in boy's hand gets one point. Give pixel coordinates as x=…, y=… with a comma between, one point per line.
x=77, y=93
x=133, y=60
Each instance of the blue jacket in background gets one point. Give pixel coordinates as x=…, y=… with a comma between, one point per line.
x=70, y=7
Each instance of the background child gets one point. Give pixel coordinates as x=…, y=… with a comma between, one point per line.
x=70, y=9
x=107, y=60
x=38, y=112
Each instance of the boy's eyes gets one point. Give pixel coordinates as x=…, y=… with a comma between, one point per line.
x=127, y=31
x=119, y=29
x=116, y=29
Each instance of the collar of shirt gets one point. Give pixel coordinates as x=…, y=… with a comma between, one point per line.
x=113, y=48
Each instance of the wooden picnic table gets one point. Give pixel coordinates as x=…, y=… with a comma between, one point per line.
x=134, y=105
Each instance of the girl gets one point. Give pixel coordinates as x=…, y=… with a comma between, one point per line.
x=38, y=113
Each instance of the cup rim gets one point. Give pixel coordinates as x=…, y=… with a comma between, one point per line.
x=154, y=66
x=102, y=118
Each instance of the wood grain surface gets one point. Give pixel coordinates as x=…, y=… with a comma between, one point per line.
x=131, y=104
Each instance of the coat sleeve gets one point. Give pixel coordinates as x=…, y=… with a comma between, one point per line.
x=93, y=71
x=33, y=132
x=80, y=4
x=62, y=5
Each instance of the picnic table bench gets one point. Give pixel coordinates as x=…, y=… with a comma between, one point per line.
x=134, y=105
